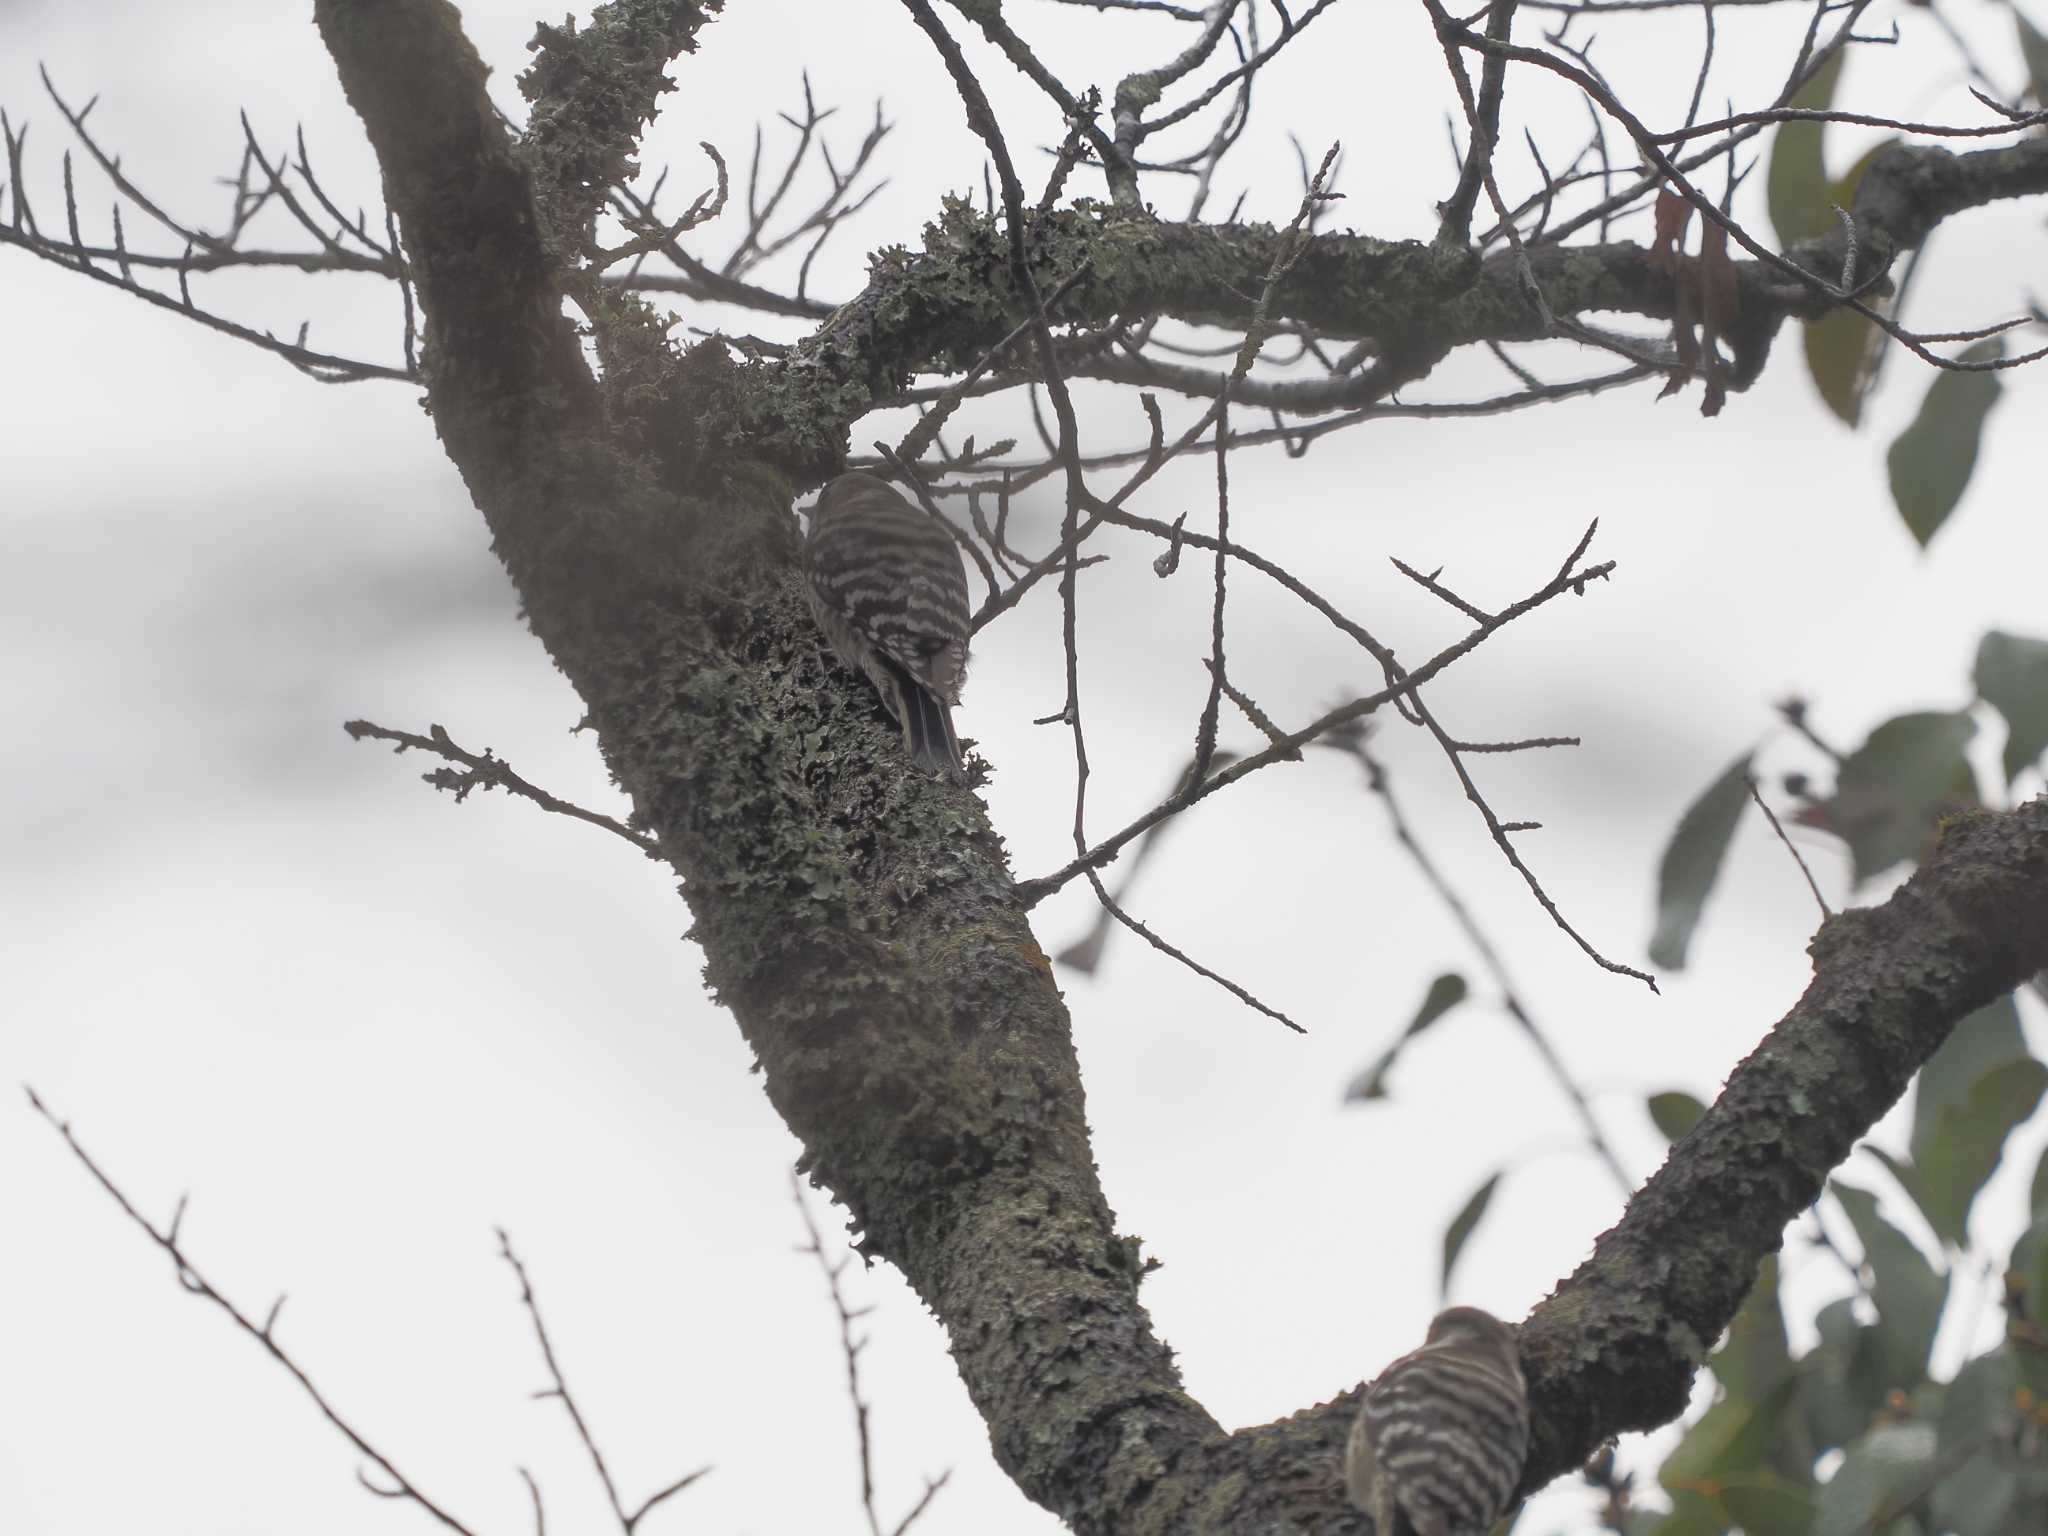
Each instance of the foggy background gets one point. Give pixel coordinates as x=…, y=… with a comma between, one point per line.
x=360, y=1024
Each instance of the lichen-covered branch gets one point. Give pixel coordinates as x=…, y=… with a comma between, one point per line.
x=592, y=93
x=858, y=919
x=940, y=310
x=1616, y=1346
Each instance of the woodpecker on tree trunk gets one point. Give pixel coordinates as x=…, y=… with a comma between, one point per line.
x=886, y=586
x=1441, y=1434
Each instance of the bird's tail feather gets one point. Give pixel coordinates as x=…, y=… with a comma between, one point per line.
x=928, y=728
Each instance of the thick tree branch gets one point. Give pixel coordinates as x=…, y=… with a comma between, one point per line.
x=1616, y=1346
x=592, y=93
x=942, y=310
x=857, y=918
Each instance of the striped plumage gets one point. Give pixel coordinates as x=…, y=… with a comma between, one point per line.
x=887, y=589
x=1441, y=1434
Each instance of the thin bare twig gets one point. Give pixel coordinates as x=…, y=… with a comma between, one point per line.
x=1572, y=578
x=850, y=1346
x=491, y=772
x=628, y=1520
x=1456, y=225
x=194, y=1281
x=1354, y=742
x=1797, y=857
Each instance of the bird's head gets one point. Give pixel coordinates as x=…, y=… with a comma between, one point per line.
x=849, y=490
x=1469, y=1330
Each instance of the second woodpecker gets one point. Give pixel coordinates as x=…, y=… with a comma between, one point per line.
x=1441, y=1434
x=886, y=586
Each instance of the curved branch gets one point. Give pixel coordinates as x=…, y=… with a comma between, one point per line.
x=939, y=311
x=1616, y=1346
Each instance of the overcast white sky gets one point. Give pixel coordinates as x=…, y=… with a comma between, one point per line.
x=362, y=1025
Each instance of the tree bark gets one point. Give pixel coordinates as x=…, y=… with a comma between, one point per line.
x=860, y=921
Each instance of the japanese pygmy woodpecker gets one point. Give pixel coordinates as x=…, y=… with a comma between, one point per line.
x=1441, y=1434
x=885, y=584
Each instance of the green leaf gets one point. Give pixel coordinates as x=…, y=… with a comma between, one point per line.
x=1444, y=994
x=1980, y=1482
x=1460, y=1229
x=1796, y=186
x=1702, y=1453
x=2034, y=49
x=1892, y=789
x=1931, y=461
x=1692, y=860
x=1675, y=1113
x=1691, y=1514
x=1988, y=1038
x=2037, y=1194
x=2012, y=677
x=1908, y=1291
x=1972, y=1141
x=1768, y=1506
x=1962, y=1113
x=1843, y=349
x=1971, y=1094
x=1908, y=1177
x=1754, y=1357
x=1842, y=1379
x=1977, y=1500
x=2030, y=1262
x=1882, y=1474
x=1978, y=1403
x=1735, y=1436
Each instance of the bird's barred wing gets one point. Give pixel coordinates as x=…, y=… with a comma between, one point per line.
x=1450, y=1437
x=896, y=577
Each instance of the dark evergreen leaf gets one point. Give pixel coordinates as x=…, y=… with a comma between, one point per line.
x=1843, y=350
x=1881, y=1474
x=1968, y=1097
x=1842, y=1380
x=2034, y=49
x=1755, y=1357
x=1768, y=1506
x=1796, y=188
x=2030, y=1262
x=1966, y=1150
x=1675, y=1113
x=1460, y=1229
x=1692, y=860
x=1735, y=1437
x=1978, y=1500
x=1691, y=1514
x=2012, y=677
x=1977, y=1425
x=1895, y=787
x=1907, y=1290
x=1444, y=994
x=1908, y=1177
x=1988, y=1038
x=1932, y=460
